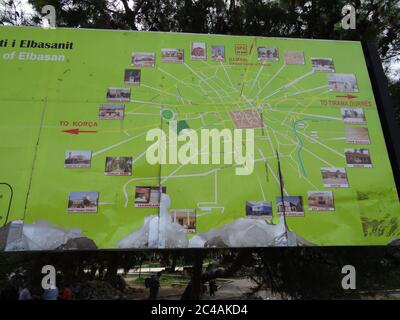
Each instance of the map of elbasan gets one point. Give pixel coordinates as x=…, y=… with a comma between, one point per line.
x=76, y=107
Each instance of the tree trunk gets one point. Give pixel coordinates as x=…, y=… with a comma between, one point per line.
x=112, y=271
x=193, y=290
x=173, y=264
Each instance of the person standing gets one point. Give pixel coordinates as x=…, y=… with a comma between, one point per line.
x=213, y=287
x=50, y=294
x=154, y=286
x=23, y=293
x=66, y=293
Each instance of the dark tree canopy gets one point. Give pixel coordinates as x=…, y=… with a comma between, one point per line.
x=377, y=20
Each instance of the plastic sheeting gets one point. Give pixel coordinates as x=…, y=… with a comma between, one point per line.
x=42, y=235
x=244, y=233
x=157, y=232
x=161, y=232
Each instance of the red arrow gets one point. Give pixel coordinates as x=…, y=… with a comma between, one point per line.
x=78, y=131
x=349, y=96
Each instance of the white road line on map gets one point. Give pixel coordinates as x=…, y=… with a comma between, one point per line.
x=117, y=144
x=174, y=177
x=143, y=114
x=333, y=139
x=154, y=104
x=209, y=208
x=294, y=86
x=288, y=114
x=321, y=144
x=163, y=92
x=306, y=149
x=272, y=172
x=318, y=157
x=309, y=114
x=182, y=165
x=287, y=85
x=261, y=187
x=175, y=78
x=131, y=180
x=327, y=91
x=105, y=203
x=187, y=66
x=222, y=89
x=270, y=140
x=270, y=80
x=297, y=167
x=258, y=74
x=306, y=91
x=127, y=133
x=229, y=78
x=139, y=156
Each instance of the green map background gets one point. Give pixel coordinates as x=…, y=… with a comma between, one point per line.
x=36, y=95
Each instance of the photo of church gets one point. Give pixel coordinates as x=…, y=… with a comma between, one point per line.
x=77, y=159
x=291, y=206
x=83, y=201
x=341, y=82
x=320, y=201
x=258, y=209
x=334, y=177
x=118, y=166
x=111, y=112
x=186, y=218
x=172, y=55
x=322, y=65
x=267, y=54
x=358, y=158
x=198, y=51
x=353, y=115
x=118, y=94
x=148, y=197
x=132, y=76
x=357, y=135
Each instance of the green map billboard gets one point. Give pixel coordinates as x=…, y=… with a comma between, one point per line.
x=113, y=139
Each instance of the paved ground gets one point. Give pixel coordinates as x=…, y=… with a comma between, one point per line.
x=234, y=289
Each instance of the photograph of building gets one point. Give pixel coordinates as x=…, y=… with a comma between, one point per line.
x=322, y=65
x=291, y=206
x=186, y=218
x=83, y=201
x=118, y=166
x=77, y=159
x=218, y=53
x=358, y=158
x=357, y=135
x=198, y=51
x=320, y=201
x=111, y=112
x=132, y=76
x=294, y=57
x=119, y=94
x=143, y=59
x=172, y=55
x=353, y=115
x=267, y=54
x=148, y=197
x=246, y=119
x=258, y=209
x=334, y=177
x=340, y=82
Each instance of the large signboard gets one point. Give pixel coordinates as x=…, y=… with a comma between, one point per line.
x=114, y=139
